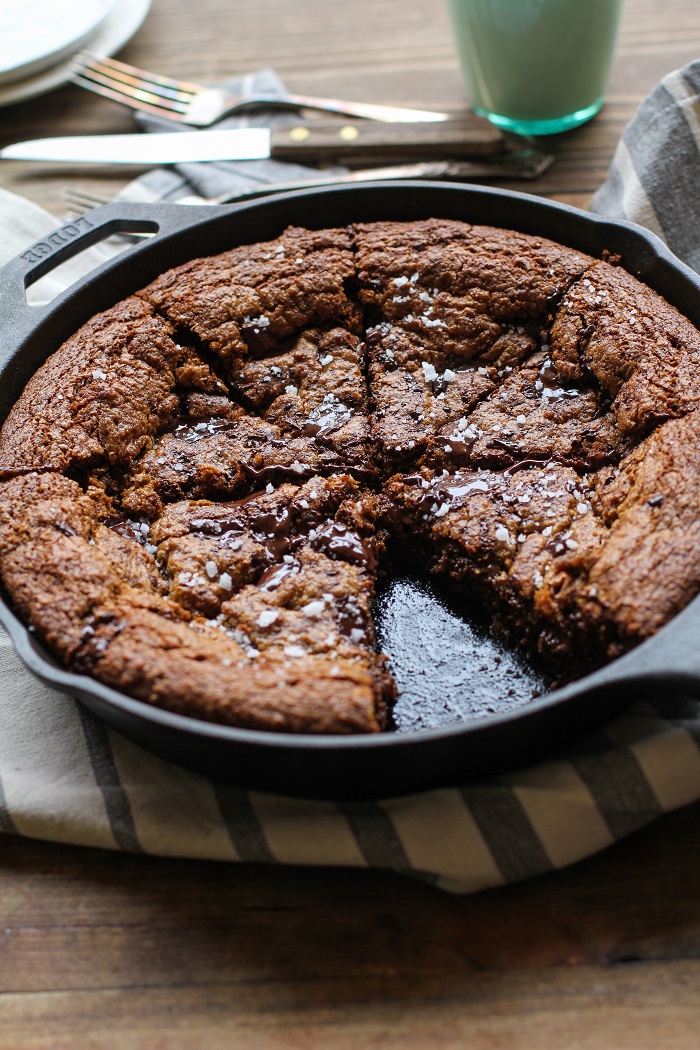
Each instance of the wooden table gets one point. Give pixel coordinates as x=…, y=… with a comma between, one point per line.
x=103, y=950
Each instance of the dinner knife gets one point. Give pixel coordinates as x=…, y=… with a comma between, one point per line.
x=515, y=164
x=345, y=143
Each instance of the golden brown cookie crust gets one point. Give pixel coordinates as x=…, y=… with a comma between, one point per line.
x=198, y=489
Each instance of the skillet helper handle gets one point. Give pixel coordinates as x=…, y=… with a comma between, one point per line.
x=360, y=142
x=17, y=317
x=666, y=664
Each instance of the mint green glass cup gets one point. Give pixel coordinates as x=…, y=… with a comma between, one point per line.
x=535, y=67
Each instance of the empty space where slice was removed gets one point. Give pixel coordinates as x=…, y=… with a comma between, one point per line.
x=447, y=665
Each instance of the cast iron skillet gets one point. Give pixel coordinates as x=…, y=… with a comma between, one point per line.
x=336, y=767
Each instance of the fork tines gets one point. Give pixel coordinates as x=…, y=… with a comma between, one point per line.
x=122, y=83
x=79, y=201
x=202, y=106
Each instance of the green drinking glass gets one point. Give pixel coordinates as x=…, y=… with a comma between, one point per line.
x=535, y=67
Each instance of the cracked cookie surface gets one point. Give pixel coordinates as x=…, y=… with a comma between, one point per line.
x=199, y=488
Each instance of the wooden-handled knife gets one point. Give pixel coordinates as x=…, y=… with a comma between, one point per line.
x=351, y=143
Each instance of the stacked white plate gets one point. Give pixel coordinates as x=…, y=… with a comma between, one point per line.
x=39, y=38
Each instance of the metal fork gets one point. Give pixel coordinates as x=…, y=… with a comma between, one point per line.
x=522, y=164
x=201, y=106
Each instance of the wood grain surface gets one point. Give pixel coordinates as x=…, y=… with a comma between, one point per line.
x=111, y=951
x=102, y=950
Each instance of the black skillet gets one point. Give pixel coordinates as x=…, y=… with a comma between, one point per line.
x=392, y=763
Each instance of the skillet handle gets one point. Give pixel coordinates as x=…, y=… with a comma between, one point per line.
x=667, y=663
x=17, y=317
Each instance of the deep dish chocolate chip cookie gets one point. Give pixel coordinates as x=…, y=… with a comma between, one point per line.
x=199, y=489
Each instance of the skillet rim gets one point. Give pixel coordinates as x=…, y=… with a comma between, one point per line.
x=42, y=664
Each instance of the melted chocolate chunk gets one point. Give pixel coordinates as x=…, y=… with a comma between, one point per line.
x=336, y=540
x=138, y=531
x=549, y=387
x=274, y=576
x=194, y=432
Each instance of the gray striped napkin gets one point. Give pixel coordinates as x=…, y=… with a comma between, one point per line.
x=66, y=777
x=215, y=179
x=654, y=177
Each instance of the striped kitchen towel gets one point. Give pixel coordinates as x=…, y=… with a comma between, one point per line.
x=654, y=177
x=66, y=777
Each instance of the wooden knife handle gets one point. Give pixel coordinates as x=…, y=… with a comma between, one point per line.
x=357, y=142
